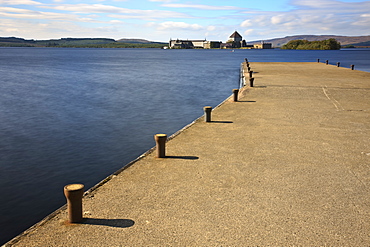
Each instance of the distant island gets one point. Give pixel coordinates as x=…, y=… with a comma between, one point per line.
x=328, y=44
x=345, y=41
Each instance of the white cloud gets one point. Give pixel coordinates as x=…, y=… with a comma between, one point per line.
x=248, y=32
x=199, y=6
x=30, y=14
x=19, y=2
x=54, y=29
x=91, y=8
x=116, y=21
x=364, y=21
x=246, y=23
x=164, y=1
x=25, y=14
x=178, y=25
x=332, y=6
x=315, y=4
x=311, y=17
x=118, y=12
x=282, y=18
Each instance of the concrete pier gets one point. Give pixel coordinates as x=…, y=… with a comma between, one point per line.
x=288, y=164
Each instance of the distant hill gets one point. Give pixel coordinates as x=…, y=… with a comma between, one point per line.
x=80, y=42
x=13, y=41
x=344, y=40
x=366, y=43
x=139, y=41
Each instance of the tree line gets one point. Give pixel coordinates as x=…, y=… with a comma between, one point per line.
x=328, y=44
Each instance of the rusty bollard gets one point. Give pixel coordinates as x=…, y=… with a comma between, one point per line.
x=338, y=64
x=207, y=113
x=160, y=140
x=235, y=92
x=352, y=66
x=74, y=193
x=251, y=74
x=251, y=80
x=327, y=62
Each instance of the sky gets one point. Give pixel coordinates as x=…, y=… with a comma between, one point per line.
x=161, y=20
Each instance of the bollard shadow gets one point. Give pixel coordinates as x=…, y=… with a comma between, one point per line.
x=119, y=223
x=247, y=101
x=221, y=122
x=182, y=157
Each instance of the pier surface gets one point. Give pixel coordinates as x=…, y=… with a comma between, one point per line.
x=286, y=165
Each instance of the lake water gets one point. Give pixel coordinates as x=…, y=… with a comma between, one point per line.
x=78, y=115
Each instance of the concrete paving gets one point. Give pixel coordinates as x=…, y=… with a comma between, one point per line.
x=286, y=165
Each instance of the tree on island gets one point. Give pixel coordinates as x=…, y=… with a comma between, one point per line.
x=328, y=44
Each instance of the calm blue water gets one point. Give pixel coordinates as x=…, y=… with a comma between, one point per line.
x=78, y=115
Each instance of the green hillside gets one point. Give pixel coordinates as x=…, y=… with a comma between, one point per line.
x=76, y=43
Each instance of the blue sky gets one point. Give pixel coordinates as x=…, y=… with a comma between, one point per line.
x=160, y=20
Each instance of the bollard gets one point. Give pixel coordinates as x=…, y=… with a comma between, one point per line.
x=235, y=92
x=352, y=66
x=251, y=80
x=246, y=60
x=338, y=64
x=160, y=140
x=250, y=74
x=207, y=113
x=327, y=62
x=249, y=69
x=74, y=193
x=318, y=60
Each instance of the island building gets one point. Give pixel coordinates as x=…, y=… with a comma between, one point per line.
x=194, y=44
x=235, y=42
x=263, y=45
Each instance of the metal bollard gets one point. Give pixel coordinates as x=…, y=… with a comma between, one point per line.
x=251, y=80
x=338, y=64
x=207, y=113
x=327, y=62
x=249, y=69
x=235, y=92
x=246, y=60
x=74, y=193
x=250, y=74
x=160, y=140
x=318, y=60
x=352, y=66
